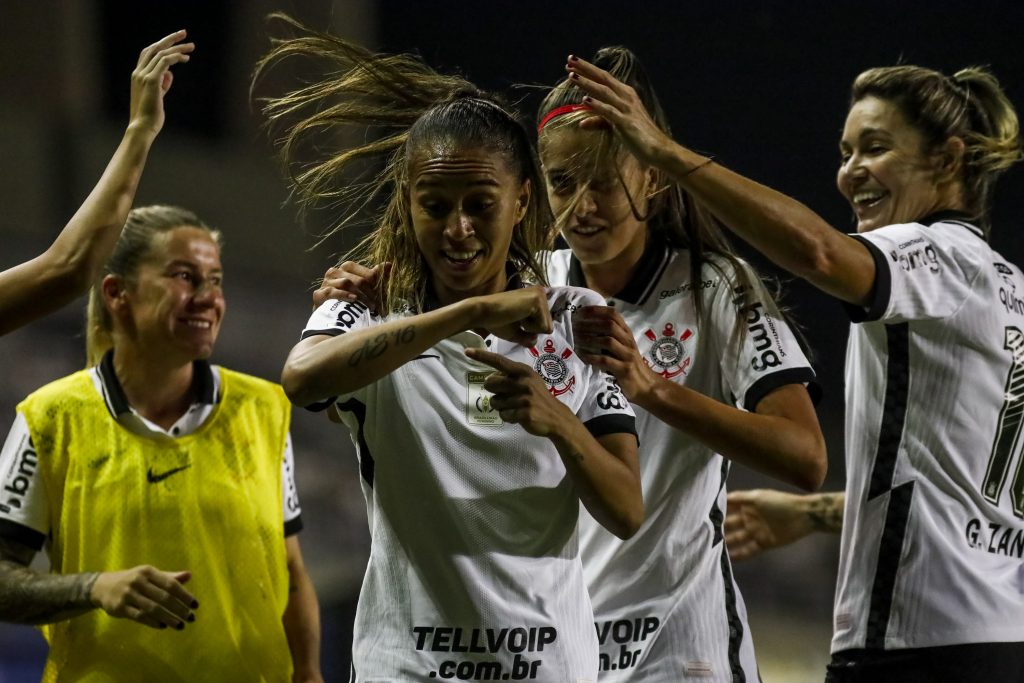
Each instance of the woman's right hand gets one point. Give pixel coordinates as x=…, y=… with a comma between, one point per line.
x=353, y=282
x=152, y=78
x=618, y=105
x=517, y=315
x=147, y=595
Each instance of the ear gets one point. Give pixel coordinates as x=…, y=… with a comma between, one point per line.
x=651, y=182
x=523, y=200
x=950, y=160
x=115, y=293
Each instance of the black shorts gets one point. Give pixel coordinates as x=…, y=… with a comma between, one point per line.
x=972, y=663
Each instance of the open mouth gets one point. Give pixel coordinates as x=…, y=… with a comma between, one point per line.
x=199, y=324
x=868, y=199
x=461, y=259
x=586, y=230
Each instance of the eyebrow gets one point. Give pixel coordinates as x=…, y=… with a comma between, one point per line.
x=189, y=264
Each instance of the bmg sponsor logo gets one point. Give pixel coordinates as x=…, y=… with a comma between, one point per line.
x=19, y=478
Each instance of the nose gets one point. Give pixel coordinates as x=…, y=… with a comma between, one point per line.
x=206, y=293
x=585, y=205
x=459, y=227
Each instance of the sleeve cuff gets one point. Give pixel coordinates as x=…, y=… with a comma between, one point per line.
x=293, y=526
x=770, y=383
x=332, y=332
x=611, y=424
x=878, y=300
x=12, y=531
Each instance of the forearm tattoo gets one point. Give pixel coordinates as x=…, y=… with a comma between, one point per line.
x=31, y=597
x=826, y=512
x=374, y=348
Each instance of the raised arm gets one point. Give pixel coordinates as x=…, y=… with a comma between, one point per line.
x=323, y=366
x=780, y=227
x=70, y=265
x=605, y=470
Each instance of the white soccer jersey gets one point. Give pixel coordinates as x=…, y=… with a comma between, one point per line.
x=667, y=608
x=933, y=536
x=474, y=569
x=24, y=507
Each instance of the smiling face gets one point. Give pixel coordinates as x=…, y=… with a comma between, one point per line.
x=465, y=203
x=886, y=173
x=173, y=305
x=590, y=201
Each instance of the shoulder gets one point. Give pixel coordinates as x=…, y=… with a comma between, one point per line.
x=565, y=299
x=74, y=387
x=234, y=381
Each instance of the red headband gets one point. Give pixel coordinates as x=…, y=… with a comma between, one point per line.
x=558, y=111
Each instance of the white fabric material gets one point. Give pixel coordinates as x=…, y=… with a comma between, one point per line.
x=474, y=569
x=945, y=336
x=665, y=600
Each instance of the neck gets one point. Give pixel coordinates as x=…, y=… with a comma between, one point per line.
x=611, y=277
x=158, y=390
x=447, y=295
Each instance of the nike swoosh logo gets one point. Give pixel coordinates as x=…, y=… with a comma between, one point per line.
x=154, y=478
x=426, y=355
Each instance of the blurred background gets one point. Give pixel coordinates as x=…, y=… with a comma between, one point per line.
x=761, y=85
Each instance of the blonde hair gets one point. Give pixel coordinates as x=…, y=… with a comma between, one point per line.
x=140, y=231
x=970, y=105
x=404, y=104
x=672, y=214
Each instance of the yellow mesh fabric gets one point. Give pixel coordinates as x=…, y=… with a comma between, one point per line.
x=218, y=516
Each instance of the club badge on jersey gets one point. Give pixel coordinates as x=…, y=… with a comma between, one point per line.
x=552, y=367
x=668, y=355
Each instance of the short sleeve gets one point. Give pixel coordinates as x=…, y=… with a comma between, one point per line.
x=759, y=351
x=604, y=409
x=24, y=512
x=331, y=319
x=289, y=494
x=921, y=273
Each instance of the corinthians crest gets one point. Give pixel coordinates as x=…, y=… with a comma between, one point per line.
x=552, y=367
x=667, y=355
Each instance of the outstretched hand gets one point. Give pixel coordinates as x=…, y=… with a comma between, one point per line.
x=152, y=78
x=618, y=105
x=520, y=395
x=762, y=519
x=145, y=594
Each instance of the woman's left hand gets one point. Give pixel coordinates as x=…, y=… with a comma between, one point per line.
x=604, y=340
x=520, y=395
x=618, y=104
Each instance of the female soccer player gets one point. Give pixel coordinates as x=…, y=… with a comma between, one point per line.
x=153, y=470
x=479, y=429
x=930, y=566
x=66, y=270
x=699, y=348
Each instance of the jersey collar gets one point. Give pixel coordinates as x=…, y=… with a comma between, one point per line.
x=645, y=278
x=951, y=216
x=117, y=401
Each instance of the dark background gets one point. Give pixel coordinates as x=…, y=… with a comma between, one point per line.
x=763, y=86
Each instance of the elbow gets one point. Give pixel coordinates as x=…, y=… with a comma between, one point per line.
x=630, y=521
x=297, y=383
x=814, y=466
